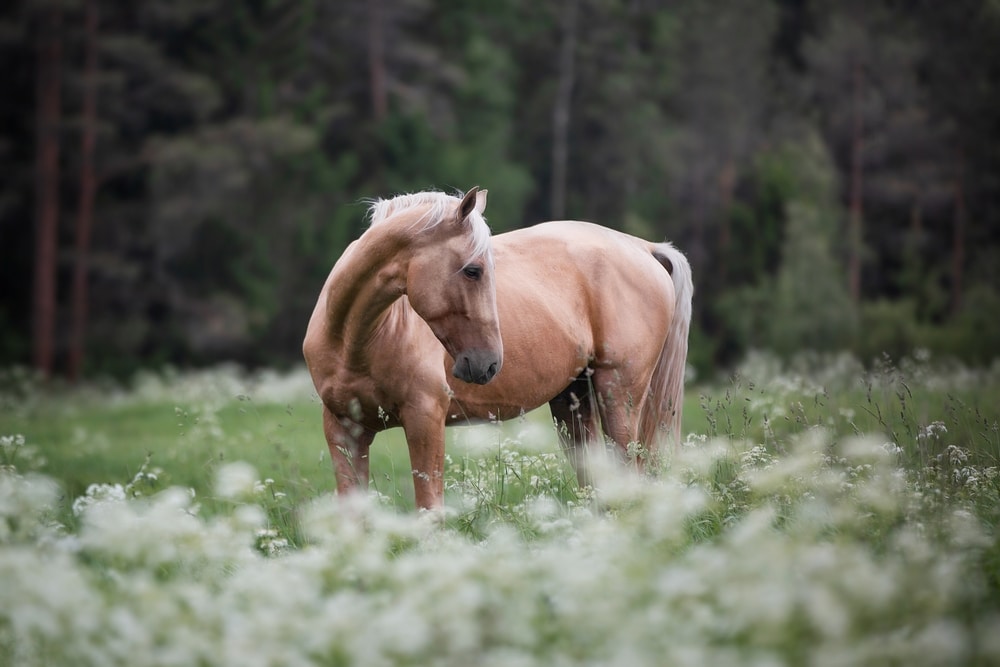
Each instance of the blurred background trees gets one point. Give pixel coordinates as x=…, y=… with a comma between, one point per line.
x=178, y=176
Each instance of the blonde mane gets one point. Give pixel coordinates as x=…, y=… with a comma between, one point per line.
x=439, y=208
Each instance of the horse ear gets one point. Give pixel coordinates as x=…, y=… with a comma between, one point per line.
x=470, y=202
x=481, y=201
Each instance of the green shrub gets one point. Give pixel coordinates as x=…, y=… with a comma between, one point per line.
x=887, y=328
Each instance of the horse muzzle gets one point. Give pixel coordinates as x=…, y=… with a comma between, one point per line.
x=477, y=366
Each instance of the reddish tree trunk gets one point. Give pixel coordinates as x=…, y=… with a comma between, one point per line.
x=698, y=250
x=727, y=185
x=856, y=202
x=561, y=110
x=916, y=220
x=958, y=237
x=88, y=191
x=376, y=60
x=47, y=188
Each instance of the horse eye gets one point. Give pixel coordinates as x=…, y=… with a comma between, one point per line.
x=473, y=272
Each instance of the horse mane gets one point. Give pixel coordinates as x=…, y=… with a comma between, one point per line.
x=439, y=207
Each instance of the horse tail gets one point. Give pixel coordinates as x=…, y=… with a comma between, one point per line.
x=661, y=414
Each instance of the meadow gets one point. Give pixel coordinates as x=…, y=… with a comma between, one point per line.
x=818, y=513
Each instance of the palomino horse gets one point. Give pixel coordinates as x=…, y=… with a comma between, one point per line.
x=591, y=320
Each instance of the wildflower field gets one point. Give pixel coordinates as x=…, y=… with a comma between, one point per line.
x=819, y=513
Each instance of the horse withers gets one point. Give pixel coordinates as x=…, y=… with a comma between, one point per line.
x=426, y=321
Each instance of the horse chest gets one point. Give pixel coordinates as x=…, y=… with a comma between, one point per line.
x=358, y=398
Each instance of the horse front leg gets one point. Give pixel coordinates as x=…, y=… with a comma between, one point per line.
x=349, y=445
x=424, y=429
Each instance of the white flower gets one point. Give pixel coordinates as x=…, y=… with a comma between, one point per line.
x=235, y=480
x=99, y=494
x=934, y=430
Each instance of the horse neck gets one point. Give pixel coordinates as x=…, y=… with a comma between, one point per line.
x=367, y=281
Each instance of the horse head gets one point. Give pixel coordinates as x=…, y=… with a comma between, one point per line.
x=450, y=284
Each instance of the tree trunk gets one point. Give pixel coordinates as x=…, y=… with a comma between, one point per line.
x=916, y=219
x=856, y=202
x=376, y=60
x=47, y=187
x=698, y=252
x=561, y=109
x=958, y=237
x=727, y=186
x=88, y=191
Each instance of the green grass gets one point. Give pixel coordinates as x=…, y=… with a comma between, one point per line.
x=87, y=439
x=817, y=513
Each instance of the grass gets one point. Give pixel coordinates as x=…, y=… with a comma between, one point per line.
x=187, y=427
x=818, y=513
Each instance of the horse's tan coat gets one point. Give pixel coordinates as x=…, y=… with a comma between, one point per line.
x=569, y=296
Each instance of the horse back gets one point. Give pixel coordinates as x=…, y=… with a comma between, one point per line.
x=606, y=277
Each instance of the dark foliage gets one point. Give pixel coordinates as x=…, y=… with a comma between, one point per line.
x=796, y=149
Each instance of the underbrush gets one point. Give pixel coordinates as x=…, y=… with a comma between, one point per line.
x=815, y=515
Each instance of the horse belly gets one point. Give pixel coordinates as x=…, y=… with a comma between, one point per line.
x=517, y=389
x=520, y=393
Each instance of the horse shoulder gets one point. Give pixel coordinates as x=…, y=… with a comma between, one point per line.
x=408, y=358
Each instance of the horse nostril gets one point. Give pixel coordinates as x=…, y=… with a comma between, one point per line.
x=488, y=374
x=469, y=368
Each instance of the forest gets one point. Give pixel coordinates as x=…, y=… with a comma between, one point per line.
x=177, y=177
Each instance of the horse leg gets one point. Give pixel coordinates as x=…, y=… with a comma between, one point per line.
x=576, y=419
x=349, y=444
x=620, y=400
x=424, y=428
